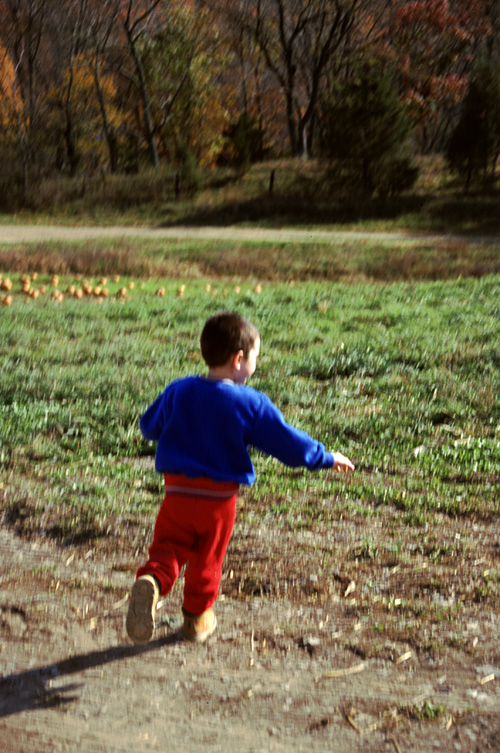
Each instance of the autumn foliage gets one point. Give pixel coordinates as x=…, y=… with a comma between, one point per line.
x=119, y=85
x=11, y=104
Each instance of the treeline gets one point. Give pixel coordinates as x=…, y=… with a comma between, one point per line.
x=113, y=86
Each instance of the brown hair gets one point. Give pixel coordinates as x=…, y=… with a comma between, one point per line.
x=225, y=334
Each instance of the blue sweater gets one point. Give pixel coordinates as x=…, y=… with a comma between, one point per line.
x=204, y=427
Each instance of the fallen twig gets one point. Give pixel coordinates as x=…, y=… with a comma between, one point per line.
x=341, y=672
x=394, y=742
x=487, y=678
x=403, y=657
x=105, y=613
x=353, y=723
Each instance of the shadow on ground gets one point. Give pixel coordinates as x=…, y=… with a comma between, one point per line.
x=476, y=215
x=41, y=688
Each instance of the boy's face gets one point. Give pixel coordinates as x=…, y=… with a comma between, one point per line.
x=248, y=364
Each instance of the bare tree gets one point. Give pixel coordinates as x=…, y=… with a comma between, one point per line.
x=100, y=33
x=74, y=24
x=134, y=19
x=298, y=39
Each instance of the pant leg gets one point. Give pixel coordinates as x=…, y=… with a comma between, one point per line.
x=173, y=541
x=214, y=522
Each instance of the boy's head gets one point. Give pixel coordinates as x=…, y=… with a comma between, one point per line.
x=224, y=335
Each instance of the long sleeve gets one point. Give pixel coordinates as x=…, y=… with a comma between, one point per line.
x=153, y=420
x=291, y=446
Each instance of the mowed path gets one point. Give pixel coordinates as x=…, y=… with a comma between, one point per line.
x=11, y=234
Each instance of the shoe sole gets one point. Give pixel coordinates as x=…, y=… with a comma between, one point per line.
x=140, y=616
x=201, y=637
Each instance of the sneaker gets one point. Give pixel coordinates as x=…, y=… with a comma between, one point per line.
x=198, y=627
x=141, y=609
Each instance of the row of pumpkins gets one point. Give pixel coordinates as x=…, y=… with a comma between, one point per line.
x=86, y=289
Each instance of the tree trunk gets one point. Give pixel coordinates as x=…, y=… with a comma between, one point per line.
x=107, y=128
x=290, y=119
x=303, y=140
x=143, y=89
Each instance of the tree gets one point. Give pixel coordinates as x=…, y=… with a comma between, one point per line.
x=298, y=38
x=364, y=125
x=76, y=115
x=100, y=32
x=474, y=145
x=251, y=91
x=245, y=143
x=432, y=42
x=63, y=103
x=182, y=64
x=11, y=117
x=134, y=18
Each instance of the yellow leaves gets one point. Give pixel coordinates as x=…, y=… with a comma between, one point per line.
x=77, y=100
x=78, y=88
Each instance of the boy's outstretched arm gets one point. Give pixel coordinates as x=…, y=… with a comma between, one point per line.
x=342, y=463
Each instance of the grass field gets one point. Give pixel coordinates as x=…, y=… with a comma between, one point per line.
x=402, y=376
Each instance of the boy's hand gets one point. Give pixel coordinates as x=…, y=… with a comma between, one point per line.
x=342, y=463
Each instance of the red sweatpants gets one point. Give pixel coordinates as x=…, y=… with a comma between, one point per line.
x=194, y=526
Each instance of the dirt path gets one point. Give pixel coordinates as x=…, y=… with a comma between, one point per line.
x=43, y=233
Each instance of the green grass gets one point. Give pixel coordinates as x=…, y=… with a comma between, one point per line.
x=404, y=378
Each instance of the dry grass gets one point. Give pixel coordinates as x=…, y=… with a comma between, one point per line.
x=273, y=262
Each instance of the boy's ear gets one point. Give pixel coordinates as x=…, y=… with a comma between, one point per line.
x=236, y=360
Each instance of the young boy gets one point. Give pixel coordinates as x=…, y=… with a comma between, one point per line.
x=203, y=426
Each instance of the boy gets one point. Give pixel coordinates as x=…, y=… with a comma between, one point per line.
x=203, y=426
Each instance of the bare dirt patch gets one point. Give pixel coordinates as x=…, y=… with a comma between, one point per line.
x=299, y=662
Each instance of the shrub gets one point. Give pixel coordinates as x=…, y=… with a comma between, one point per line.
x=244, y=143
x=474, y=145
x=363, y=127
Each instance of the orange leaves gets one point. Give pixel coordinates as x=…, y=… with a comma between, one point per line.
x=11, y=105
x=7, y=75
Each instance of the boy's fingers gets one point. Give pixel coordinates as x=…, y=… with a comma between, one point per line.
x=346, y=465
x=342, y=463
